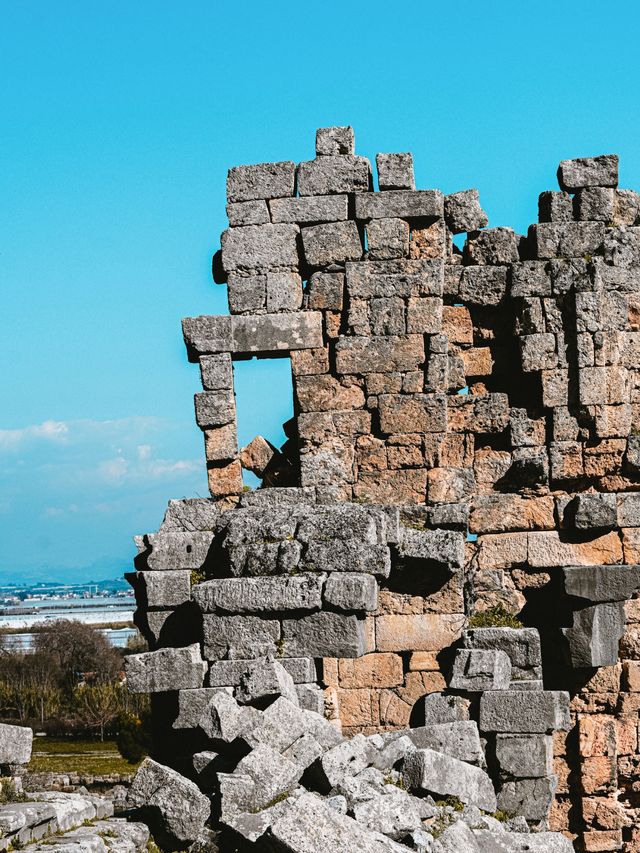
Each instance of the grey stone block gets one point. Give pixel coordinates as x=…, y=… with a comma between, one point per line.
x=441, y=547
x=248, y=213
x=588, y=172
x=395, y=171
x=227, y=673
x=462, y=212
x=239, y=637
x=400, y=204
x=394, y=814
x=379, y=355
x=601, y=583
x=191, y=705
x=400, y=277
x=207, y=334
x=555, y=207
x=530, y=279
x=522, y=645
x=346, y=759
x=214, y=408
x=531, y=712
x=264, y=680
x=267, y=333
x=284, y=291
x=346, y=556
x=566, y=239
x=459, y=739
x=595, y=203
x=310, y=697
x=325, y=291
x=182, y=809
x=310, y=209
x=165, y=669
x=331, y=243
x=263, y=180
x=387, y=239
x=260, y=594
x=163, y=589
x=529, y=798
x=629, y=505
x=594, y=511
x=247, y=294
x=443, y=776
x=475, y=670
x=331, y=141
x=216, y=372
x=15, y=744
x=351, y=591
x=483, y=285
x=595, y=634
x=259, y=247
x=334, y=175
x=524, y=756
x=191, y=514
x=494, y=246
x=344, y=522
x=324, y=634
x=223, y=719
x=440, y=709
x=271, y=773
x=283, y=723
x=458, y=838
x=304, y=751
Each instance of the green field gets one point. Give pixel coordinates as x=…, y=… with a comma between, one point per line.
x=88, y=757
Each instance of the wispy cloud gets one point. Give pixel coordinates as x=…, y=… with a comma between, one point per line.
x=11, y=439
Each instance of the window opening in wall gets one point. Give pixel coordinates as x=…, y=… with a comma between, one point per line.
x=264, y=403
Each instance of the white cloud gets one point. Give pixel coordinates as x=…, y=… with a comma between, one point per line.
x=144, y=451
x=113, y=471
x=47, y=430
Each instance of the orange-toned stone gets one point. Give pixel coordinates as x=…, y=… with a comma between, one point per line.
x=457, y=324
x=399, y=603
x=427, y=632
x=598, y=775
x=393, y=711
x=603, y=813
x=404, y=457
x=489, y=466
x=631, y=544
x=371, y=453
x=562, y=770
x=501, y=551
x=629, y=704
x=502, y=513
x=331, y=709
x=632, y=610
x=434, y=682
x=477, y=361
x=597, y=736
x=630, y=642
x=330, y=671
x=408, y=485
x=369, y=634
x=604, y=458
x=413, y=688
x=307, y=362
x=559, y=816
x=605, y=680
x=373, y=670
x=599, y=842
x=358, y=707
x=560, y=743
x=456, y=450
x=423, y=661
x=631, y=676
x=627, y=736
x=545, y=549
x=225, y=479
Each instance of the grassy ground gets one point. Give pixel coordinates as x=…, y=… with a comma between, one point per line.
x=87, y=757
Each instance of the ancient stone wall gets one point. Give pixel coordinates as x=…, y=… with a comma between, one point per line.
x=464, y=441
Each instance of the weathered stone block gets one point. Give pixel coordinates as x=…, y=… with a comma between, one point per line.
x=224, y=480
x=331, y=141
x=414, y=413
x=346, y=556
x=239, y=637
x=521, y=645
x=324, y=634
x=264, y=180
x=524, y=711
x=163, y=589
x=483, y=285
x=475, y=670
x=566, y=239
x=588, y=172
x=268, y=333
x=334, y=175
x=214, y=408
x=601, y=583
x=525, y=756
x=529, y=798
x=444, y=776
x=440, y=709
x=555, y=207
x=331, y=243
x=247, y=294
x=395, y=171
x=265, y=680
x=401, y=204
x=595, y=203
x=462, y=212
x=595, y=634
x=216, y=372
x=259, y=247
x=399, y=277
x=387, y=239
x=310, y=209
x=459, y=739
x=284, y=291
x=351, y=591
x=494, y=246
x=423, y=632
x=248, y=213
x=165, y=669
x=254, y=595
x=15, y=744
x=594, y=511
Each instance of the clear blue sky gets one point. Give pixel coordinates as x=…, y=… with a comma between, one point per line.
x=118, y=122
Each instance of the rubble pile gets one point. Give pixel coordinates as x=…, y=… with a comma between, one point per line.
x=453, y=524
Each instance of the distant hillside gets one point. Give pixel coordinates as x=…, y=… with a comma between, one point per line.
x=103, y=572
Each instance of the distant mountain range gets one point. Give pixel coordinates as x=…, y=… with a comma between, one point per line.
x=101, y=571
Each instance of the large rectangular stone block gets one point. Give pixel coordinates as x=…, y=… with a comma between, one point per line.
x=324, y=634
x=260, y=247
x=176, y=550
x=255, y=595
x=483, y=285
x=566, y=239
x=417, y=632
x=236, y=637
x=331, y=175
x=191, y=706
x=343, y=521
x=227, y=673
x=331, y=243
x=267, y=333
x=403, y=278
x=214, y=408
x=595, y=634
x=310, y=209
x=379, y=355
x=216, y=372
x=521, y=645
x=439, y=774
x=601, y=583
x=346, y=556
x=163, y=589
x=15, y=744
x=248, y=213
x=525, y=756
x=351, y=591
x=263, y=180
x=524, y=711
x=402, y=204
x=165, y=669
x=441, y=547
x=405, y=413
x=588, y=172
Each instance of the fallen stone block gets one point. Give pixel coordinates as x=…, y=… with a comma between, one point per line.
x=261, y=594
x=524, y=756
x=458, y=838
x=15, y=744
x=394, y=814
x=462, y=212
x=311, y=697
x=173, y=804
x=283, y=723
x=202, y=514
x=304, y=751
x=524, y=711
x=588, y=172
x=165, y=669
x=263, y=681
x=324, y=634
x=529, y=798
x=351, y=591
x=475, y=670
x=191, y=705
x=346, y=759
x=223, y=719
x=272, y=774
x=443, y=776
x=459, y=739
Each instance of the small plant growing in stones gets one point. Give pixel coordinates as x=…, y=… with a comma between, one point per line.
x=495, y=617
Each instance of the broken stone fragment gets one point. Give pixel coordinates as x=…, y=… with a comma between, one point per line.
x=475, y=670
x=165, y=669
x=15, y=744
x=263, y=681
x=172, y=803
x=441, y=775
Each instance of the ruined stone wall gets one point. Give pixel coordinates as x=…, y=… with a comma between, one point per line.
x=464, y=439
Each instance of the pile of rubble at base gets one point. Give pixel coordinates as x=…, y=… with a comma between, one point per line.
x=277, y=776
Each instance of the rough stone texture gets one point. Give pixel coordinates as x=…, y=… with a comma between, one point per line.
x=15, y=744
x=165, y=669
x=524, y=711
x=427, y=770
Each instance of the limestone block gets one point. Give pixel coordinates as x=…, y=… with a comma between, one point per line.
x=268, y=333
x=462, y=212
x=324, y=634
x=588, y=172
x=423, y=632
x=334, y=175
x=191, y=705
x=475, y=670
x=161, y=791
x=372, y=670
x=214, y=408
x=458, y=739
x=264, y=180
x=395, y=171
x=403, y=278
x=521, y=645
x=566, y=239
x=310, y=209
x=207, y=334
x=239, y=637
x=163, y=589
x=555, y=207
x=595, y=203
x=216, y=372
x=346, y=556
x=602, y=583
x=284, y=292
x=222, y=717
x=379, y=355
x=529, y=798
x=334, y=140
x=15, y=744
x=331, y=243
x=259, y=247
x=393, y=815
x=595, y=634
x=525, y=756
x=165, y=669
x=264, y=680
x=247, y=294
x=508, y=512
x=483, y=285
x=538, y=352
x=401, y=204
x=343, y=522
x=260, y=594
x=442, y=547
x=529, y=712
x=351, y=591
x=494, y=246
x=190, y=514
x=272, y=775
x=283, y=723
x=227, y=673
x=248, y=213
x=387, y=239
x=444, y=776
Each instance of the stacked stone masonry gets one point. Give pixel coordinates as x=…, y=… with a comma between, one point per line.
x=465, y=440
